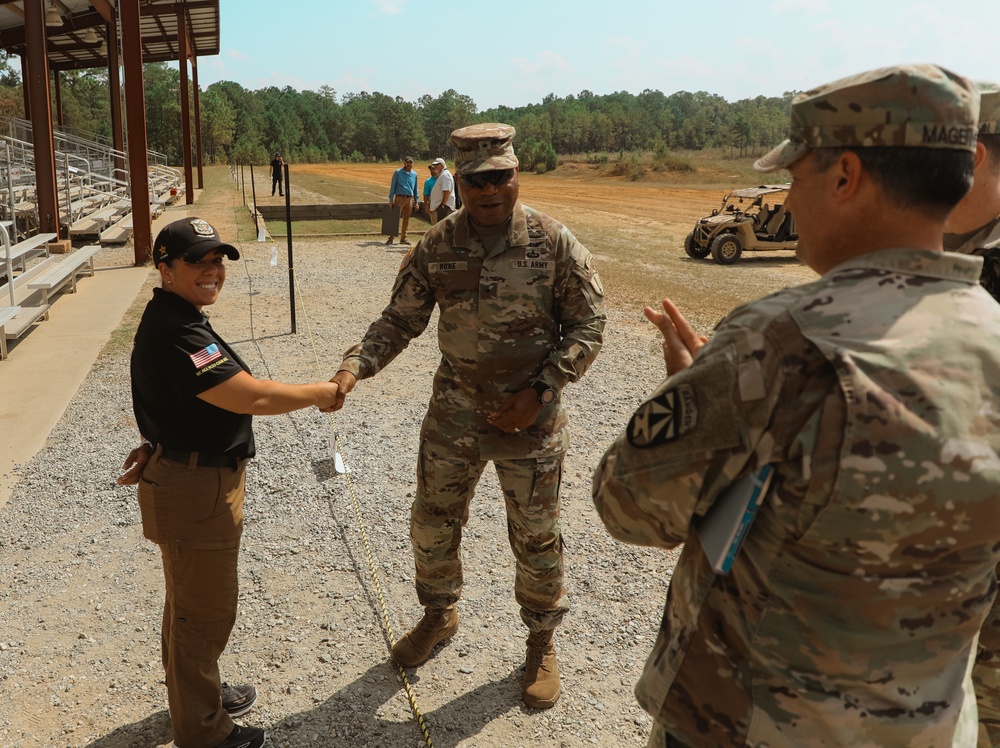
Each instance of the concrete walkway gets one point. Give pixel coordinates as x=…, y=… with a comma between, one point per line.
x=47, y=365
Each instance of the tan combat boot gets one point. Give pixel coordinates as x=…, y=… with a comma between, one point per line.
x=437, y=625
x=540, y=688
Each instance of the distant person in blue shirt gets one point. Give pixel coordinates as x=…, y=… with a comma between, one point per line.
x=428, y=185
x=403, y=192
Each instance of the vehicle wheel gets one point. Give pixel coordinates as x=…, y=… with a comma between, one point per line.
x=726, y=249
x=693, y=250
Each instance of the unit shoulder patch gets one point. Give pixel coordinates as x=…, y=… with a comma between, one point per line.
x=664, y=418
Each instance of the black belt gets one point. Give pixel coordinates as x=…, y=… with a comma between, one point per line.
x=204, y=459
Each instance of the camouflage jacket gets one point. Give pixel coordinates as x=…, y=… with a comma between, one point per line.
x=986, y=673
x=851, y=613
x=985, y=243
x=532, y=308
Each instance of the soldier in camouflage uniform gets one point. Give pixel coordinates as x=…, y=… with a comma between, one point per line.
x=521, y=316
x=974, y=228
x=851, y=613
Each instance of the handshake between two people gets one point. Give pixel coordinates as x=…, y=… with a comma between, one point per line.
x=517, y=412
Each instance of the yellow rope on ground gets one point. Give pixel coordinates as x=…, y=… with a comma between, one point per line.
x=383, y=608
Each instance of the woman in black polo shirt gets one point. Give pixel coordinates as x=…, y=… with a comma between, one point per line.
x=193, y=399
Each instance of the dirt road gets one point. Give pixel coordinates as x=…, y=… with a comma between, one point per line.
x=635, y=230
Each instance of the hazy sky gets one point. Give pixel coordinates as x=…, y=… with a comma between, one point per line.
x=517, y=51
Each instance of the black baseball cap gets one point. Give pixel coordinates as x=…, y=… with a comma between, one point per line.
x=189, y=239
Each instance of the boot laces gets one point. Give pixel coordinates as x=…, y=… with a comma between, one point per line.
x=536, y=656
x=433, y=618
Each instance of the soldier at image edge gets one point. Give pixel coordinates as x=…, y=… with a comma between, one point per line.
x=521, y=316
x=974, y=228
x=850, y=615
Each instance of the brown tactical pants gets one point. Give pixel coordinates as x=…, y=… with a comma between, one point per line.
x=405, y=204
x=445, y=485
x=195, y=515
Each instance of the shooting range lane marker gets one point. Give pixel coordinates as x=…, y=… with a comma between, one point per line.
x=340, y=467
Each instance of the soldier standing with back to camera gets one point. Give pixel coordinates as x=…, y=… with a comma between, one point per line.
x=521, y=316
x=851, y=614
x=974, y=228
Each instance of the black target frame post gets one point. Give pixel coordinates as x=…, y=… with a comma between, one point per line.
x=253, y=191
x=288, y=230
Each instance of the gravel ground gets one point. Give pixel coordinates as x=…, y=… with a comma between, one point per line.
x=81, y=597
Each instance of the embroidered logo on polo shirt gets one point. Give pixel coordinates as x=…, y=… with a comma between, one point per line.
x=663, y=419
x=206, y=355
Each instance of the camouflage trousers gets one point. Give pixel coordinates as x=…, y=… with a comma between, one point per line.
x=660, y=738
x=986, y=678
x=445, y=485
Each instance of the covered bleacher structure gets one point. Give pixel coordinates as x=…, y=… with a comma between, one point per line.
x=57, y=185
x=63, y=185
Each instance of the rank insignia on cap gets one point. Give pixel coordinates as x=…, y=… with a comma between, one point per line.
x=202, y=227
x=664, y=418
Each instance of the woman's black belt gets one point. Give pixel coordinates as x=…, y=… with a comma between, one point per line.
x=202, y=459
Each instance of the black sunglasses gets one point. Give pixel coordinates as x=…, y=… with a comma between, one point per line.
x=496, y=177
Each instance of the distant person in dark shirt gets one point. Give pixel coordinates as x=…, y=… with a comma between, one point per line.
x=277, y=165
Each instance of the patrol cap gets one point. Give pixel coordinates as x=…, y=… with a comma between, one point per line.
x=484, y=147
x=989, y=108
x=904, y=106
x=189, y=239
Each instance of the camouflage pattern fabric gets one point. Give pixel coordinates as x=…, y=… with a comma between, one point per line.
x=532, y=308
x=445, y=484
x=985, y=243
x=484, y=147
x=851, y=614
x=986, y=673
x=989, y=108
x=923, y=106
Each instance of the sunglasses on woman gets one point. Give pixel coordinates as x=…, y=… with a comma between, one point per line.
x=496, y=177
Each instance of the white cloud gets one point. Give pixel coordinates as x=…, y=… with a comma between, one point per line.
x=217, y=67
x=799, y=6
x=546, y=64
x=390, y=7
x=237, y=54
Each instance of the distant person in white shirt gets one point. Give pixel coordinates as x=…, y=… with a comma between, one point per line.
x=443, y=192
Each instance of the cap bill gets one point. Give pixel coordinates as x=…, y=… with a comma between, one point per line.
x=781, y=157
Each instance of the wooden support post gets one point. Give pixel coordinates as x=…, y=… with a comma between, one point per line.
x=182, y=60
x=199, y=154
x=41, y=117
x=115, y=93
x=58, y=90
x=135, y=126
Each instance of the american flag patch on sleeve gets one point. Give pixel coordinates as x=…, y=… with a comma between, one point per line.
x=206, y=355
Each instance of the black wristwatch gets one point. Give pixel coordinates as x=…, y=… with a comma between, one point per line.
x=545, y=393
